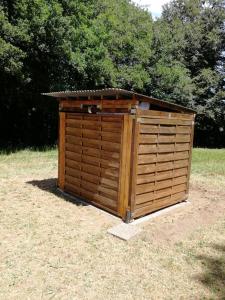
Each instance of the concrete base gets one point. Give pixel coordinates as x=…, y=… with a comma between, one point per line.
x=159, y=212
x=124, y=231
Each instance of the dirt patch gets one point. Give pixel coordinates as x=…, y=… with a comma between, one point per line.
x=204, y=208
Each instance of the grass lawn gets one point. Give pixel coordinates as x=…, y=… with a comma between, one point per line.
x=52, y=248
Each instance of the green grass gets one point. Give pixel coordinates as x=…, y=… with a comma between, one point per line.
x=208, y=162
x=55, y=249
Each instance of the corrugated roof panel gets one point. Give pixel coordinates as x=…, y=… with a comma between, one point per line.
x=117, y=91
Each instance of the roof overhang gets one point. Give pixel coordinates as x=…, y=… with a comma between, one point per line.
x=73, y=95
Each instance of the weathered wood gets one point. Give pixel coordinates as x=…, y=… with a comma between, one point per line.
x=151, y=139
x=163, y=114
x=134, y=164
x=145, y=178
x=142, y=198
x=165, y=121
x=190, y=155
x=145, y=149
x=157, y=185
x=144, y=128
x=160, y=203
x=162, y=157
x=61, y=159
x=124, y=175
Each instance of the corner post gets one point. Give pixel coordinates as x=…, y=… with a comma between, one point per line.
x=61, y=151
x=124, y=174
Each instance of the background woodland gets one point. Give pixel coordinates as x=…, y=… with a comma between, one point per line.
x=51, y=45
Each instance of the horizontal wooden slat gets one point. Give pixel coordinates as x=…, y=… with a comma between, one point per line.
x=92, y=160
x=165, y=129
x=145, y=178
x=163, y=114
x=163, y=148
x=92, y=178
x=106, y=145
x=157, y=204
x=95, y=198
x=149, y=138
x=161, y=157
x=92, y=151
x=142, y=198
x=90, y=122
x=98, y=198
x=157, y=185
x=164, y=121
x=163, y=166
x=93, y=134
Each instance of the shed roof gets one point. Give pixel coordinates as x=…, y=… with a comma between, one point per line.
x=116, y=92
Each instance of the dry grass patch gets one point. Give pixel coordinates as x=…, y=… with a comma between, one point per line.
x=52, y=248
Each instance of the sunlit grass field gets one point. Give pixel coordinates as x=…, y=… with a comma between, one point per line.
x=52, y=248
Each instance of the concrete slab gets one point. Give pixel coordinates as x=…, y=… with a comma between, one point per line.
x=124, y=231
x=159, y=213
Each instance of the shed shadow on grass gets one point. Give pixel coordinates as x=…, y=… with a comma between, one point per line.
x=50, y=185
x=213, y=277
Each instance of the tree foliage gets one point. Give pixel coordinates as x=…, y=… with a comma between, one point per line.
x=48, y=45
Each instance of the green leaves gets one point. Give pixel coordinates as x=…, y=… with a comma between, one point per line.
x=48, y=45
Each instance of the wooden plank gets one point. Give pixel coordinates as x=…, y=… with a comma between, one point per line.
x=151, y=139
x=93, y=178
x=93, y=143
x=93, y=134
x=165, y=121
x=145, y=178
x=108, y=182
x=124, y=175
x=163, y=114
x=109, y=171
x=78, y=103
x=72, y=189
x=157, y=185
x=163, y=166
x=92, y=160
x=158, y=204
x=73, y=180
x=96, y=199
x=164, y=129
x=163, y=148
x=134, y=164
x=95, y=170
x=61, y=155
x=190, y=155
x=161, y=157
x=142, y=198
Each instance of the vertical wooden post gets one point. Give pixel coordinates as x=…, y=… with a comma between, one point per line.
x=190, y=155
x=61, y=151
x=125, y=157
x=134, y=163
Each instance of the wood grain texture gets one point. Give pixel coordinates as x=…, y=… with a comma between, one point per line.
x=125, y=160
x=93, y=158
x=163, y=160
x=61, y=147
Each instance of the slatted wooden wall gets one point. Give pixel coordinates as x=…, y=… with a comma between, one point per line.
x=163, y=146
x=93, y=158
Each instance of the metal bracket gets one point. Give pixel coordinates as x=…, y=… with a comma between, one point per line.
x=129, y=216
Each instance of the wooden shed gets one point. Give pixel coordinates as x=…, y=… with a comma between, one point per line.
x=127, y=153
